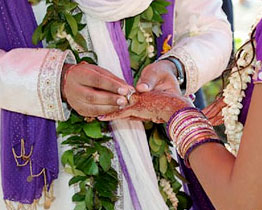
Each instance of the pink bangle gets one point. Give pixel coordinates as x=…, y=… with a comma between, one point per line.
x=189, y=128
x=175, y=115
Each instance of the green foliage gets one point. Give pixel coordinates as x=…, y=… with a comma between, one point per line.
x=90, y=163
x=63, y=17
x=34, y=2
x=165, y=166
x=148, y=22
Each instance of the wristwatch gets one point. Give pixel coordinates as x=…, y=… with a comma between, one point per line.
x=179, y=67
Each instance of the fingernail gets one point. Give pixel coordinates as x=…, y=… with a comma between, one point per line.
x=101, y=117
x=121, y=101
x=131, y=88
x=144, y=86
x=122, y=91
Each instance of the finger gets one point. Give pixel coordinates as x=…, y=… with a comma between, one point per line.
x=87, y=110
x=124, y=113
x=108, y=73
x=216, y=121
x=215, y=108
x=138, y=119
x=147, y=80
x=98, y=97
x=92, y=77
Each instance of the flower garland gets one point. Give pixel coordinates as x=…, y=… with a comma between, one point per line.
x=89, y=159
x=169, y=192
x=234, y=93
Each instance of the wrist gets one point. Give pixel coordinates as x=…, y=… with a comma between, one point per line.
x=64, y=73
x=178, y=69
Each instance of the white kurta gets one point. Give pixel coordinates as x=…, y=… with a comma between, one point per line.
x=200, y=27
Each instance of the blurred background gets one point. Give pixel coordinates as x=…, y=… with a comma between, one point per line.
x=245, y=12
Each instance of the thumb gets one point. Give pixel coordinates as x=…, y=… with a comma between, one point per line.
x=147, y=82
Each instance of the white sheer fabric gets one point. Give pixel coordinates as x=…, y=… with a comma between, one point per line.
x=113, y=10
x=129, y=134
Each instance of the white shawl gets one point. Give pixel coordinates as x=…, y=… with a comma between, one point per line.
x=129, y=134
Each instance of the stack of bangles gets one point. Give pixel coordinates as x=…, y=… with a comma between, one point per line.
x=189, y=128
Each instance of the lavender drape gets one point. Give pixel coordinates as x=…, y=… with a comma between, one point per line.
x=17, y=24
x=121, y=48
x=248, y=93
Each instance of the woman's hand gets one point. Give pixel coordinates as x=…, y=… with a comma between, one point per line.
x=214, y=112
x=92, y=90
x=156, y=106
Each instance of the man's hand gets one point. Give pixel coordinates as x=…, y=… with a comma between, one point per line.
x=92, y=90
x=159, y=76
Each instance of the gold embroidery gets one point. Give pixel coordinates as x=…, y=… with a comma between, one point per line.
x=48, y=195
x=48, y=85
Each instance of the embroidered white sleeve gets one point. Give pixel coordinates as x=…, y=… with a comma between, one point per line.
x=49, y=85
x=202, y=41
x=30, y=82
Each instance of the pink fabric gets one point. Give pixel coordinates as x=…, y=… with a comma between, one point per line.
x=18, y=78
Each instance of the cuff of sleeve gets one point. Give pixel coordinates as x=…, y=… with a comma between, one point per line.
x=191, y=69
x=49, y=84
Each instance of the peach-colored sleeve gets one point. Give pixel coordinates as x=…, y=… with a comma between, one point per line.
x=30, y=82
x=202, y=41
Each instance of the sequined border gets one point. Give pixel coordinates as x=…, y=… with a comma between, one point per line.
x=48, y=85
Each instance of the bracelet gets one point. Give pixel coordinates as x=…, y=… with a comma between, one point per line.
x=257, y=77
x=179, y=67
x=189, y=128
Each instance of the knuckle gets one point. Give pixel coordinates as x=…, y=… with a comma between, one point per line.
x=97, y=81
x=90, y=98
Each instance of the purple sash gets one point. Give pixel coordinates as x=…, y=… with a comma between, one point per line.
x=246, y=101
x=17, y=24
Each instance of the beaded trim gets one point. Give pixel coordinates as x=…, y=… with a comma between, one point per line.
x=48, y=86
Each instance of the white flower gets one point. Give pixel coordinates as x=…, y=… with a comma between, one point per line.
x=169, y=192
x=150, y=48
x=73, y=44
x=96, y=156
x=151, y=55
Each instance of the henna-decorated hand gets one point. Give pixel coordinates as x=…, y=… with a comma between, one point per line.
x=214, y=111
x=156, y=106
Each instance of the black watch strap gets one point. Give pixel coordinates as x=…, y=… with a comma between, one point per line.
x=179, y=67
